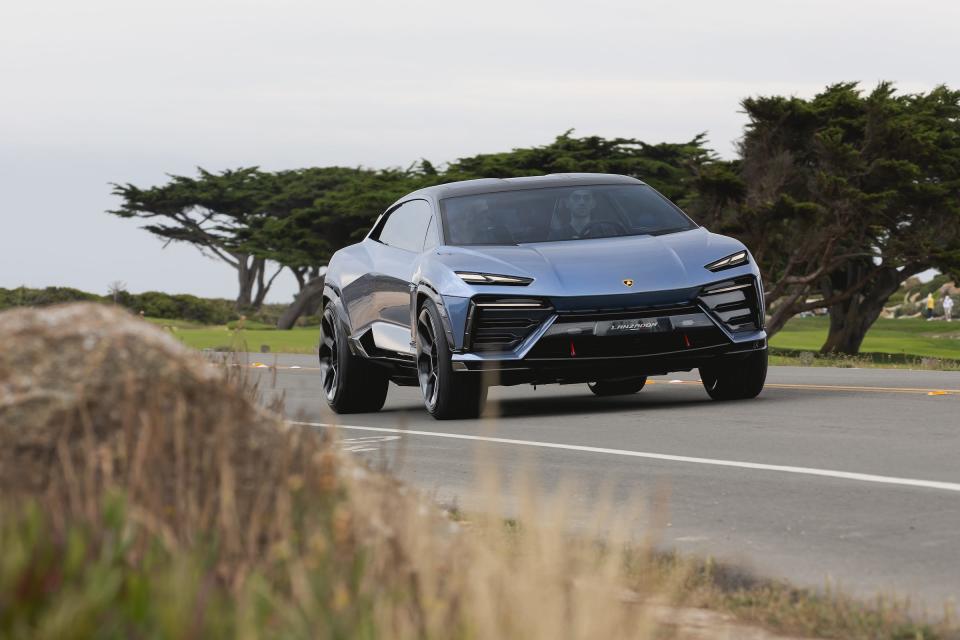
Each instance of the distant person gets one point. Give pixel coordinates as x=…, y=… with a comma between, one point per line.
x=931, y=303
x=580, y=204
x=947, y=307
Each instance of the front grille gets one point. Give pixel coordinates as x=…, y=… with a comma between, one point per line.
x=587, y=346
x=584, y=333
x=501, y=324
x=734, y=303
x=592, y=315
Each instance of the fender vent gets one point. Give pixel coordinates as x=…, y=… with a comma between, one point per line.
x=735, y=303
x=501, y=324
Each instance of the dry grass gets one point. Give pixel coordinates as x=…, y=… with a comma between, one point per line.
x=156, y=477
x=144, y=493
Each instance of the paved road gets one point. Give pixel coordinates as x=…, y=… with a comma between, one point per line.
x=846, y=475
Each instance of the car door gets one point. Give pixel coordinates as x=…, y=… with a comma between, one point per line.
x=395, y=247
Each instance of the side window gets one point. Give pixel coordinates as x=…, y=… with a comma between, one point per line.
x=406, y=226
x=431, y=240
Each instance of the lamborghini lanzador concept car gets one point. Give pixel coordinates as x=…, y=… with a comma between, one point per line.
x=569, y=278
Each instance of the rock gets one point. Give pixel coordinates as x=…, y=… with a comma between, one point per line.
x=92, y=392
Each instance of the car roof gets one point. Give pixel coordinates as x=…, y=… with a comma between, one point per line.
x=491, y=185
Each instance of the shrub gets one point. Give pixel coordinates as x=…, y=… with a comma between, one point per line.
x=24, y=297
x=154, y=304
x=180, y=307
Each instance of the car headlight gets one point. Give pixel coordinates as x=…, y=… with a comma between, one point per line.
x=471, y=277
x=735, y=260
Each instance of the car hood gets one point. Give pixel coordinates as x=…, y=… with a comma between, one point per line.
x=600, y=266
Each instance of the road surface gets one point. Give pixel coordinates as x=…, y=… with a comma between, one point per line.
x=843, y=476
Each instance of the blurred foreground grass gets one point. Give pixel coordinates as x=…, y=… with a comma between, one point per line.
x=155, y=498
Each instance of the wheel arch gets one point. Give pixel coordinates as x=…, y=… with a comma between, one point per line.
x=331, y=298
x=425, y=291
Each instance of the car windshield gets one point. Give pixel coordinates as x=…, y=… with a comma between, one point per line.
x=559, y=214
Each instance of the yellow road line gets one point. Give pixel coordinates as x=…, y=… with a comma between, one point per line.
x=831, y=387
x=771, y=385
x=873, y=389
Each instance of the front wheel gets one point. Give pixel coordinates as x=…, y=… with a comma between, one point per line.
x=735, y=377
x=350, y=383
x=446, y=395
x=621, y=387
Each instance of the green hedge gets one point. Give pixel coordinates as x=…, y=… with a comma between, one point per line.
x=154, y=304
x=24, y=297
x=179, y=307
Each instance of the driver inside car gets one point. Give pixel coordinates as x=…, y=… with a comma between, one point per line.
x=580, y=204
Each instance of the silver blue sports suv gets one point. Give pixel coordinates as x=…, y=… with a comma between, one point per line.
x=569, y=278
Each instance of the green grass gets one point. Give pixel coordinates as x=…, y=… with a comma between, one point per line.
x=909, y=337
x=178, y=324
x=298, y=340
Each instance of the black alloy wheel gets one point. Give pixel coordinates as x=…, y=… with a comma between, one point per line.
x=735, y=377
x=350, y=383
x=428, y=362
x=446, y=394
x=329, y=365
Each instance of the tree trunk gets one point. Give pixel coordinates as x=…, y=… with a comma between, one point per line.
x=260, y=266
x=850, y=319
x=313, y=305
x=782, y=313
x=246, y=276
x=300, y=274
x=308, y=298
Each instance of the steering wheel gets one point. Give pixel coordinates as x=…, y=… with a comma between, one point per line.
x=592, y=226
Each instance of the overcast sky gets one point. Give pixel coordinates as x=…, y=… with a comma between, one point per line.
x=102, y=91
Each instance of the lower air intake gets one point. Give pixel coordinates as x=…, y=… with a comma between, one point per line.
x=735, y=303
x=501, y=324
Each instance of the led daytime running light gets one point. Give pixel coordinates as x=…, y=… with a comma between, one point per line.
x=734, y=260
x=492, y=278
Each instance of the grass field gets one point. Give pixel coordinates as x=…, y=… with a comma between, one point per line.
x=298, y=340
x=911, y=337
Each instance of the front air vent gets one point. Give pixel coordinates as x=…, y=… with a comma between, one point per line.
x=734, y=303
x=501, y=324
x=616, y=313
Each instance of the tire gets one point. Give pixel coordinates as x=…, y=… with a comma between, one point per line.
x=446, y=395
x=735, y=378
x=350, y=383
x=619, y=387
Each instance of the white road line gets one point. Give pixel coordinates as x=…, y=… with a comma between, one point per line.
x=827, y=473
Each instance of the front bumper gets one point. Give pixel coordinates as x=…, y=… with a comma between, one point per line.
x=589, y=369
x=575, y=340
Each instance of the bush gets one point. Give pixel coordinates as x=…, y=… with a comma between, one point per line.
x=156, y=304
x=24, y=297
